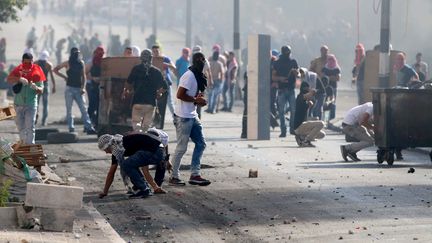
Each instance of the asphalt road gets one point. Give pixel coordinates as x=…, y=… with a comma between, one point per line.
x=300, y=195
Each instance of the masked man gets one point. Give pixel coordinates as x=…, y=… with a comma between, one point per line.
x=28, y=81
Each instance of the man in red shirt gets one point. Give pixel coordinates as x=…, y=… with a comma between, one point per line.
x=28, y=80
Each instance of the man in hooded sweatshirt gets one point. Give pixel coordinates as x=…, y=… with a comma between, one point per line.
x=148, y=85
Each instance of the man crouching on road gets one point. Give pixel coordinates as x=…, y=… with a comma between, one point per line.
x=188, y=125
x=306, y=131
x=143, y=149
x=358, y=124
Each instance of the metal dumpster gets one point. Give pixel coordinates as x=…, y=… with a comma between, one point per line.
x=402, y=119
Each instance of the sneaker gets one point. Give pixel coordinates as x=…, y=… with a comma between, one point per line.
x=71, y=129
x=176, y=182
x=299, y=140
x=305, y=144
x=91, y=131
x=344, y=152
x=399, y=155
x=198, y=180
x=353, y=156
x=142, y=194
x=282, y=135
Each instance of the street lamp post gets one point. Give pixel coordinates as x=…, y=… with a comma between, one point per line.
x=188, y=23
x=384, y=57
x=155, y=17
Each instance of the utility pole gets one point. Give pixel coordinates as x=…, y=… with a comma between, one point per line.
x=109, y=19
x=155, y=17
x=236, y=25
x=384, y=57
x=188, y=23
x=130, y=21
x=237, y=44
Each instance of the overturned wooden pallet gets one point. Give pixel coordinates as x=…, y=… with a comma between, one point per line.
x=7, y=112
x=33, y=155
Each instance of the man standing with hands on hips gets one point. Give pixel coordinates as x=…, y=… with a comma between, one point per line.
x=190, y=95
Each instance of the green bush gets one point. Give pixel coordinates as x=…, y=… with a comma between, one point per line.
x=4, y=192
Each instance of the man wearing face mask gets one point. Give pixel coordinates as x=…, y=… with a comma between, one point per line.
x=148, y=85
x=75, y=89
x=190, y=95
x=28, y=79
x=285, y=71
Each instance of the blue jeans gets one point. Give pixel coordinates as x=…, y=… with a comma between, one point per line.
x=71, y=94
x=317, y=110
x=360, y=93
x=93, y=97
x=214, y=94
x=170, y=100
x=188, y=128
x=228, y=86
x=44, y=96
x=286, y=96
x=141, y=158
x=25, y=121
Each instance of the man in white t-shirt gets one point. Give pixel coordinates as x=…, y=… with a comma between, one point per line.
x=190, y=95
x=358, y=124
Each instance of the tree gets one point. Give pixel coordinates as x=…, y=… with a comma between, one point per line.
x=9, y=9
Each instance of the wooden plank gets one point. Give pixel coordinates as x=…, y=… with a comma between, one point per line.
x=118, y=67
x=371, y=73
x=33, y=154
x=7, y=113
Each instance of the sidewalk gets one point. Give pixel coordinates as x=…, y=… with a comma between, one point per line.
x=89, y=225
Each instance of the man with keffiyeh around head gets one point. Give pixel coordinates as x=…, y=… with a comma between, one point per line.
x=28, y=81
x=148, y=85
x=134, y=151
x=190, y=95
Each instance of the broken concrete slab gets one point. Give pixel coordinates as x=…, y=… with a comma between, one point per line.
x=54, y=196
x=8, y=217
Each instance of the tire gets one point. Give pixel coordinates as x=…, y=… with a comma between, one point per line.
x=380, y=156
x=390, y=157
x=42, y=133
x=62, y=137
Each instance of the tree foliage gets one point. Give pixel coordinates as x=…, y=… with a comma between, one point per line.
x=9, y=9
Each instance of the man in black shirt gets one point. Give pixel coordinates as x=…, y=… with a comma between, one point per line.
x=306, y=131
x=132, y=152
x=148, y=85
x=285, y=71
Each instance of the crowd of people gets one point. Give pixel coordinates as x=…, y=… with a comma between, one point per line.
x=190, y=82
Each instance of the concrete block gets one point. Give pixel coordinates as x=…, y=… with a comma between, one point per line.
x=62, y=137
x=54, y=196
x=8, y=217
x=42, y=133
x=53, y=219
x=258, y=104
x=50, y=219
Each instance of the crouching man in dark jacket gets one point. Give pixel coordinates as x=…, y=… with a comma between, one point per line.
x=141, y=150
